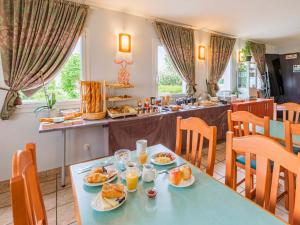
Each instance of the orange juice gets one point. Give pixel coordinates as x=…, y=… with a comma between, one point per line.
x=143, y=158
x=132, y=181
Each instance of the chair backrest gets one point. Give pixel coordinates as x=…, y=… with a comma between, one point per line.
x=196, y=130
x=291, y=130
x=290, y=111
x=26, y=197
x=244, y=123
x=266, y=150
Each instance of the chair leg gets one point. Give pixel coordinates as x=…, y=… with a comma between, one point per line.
x=235, y=178
x=286, y=189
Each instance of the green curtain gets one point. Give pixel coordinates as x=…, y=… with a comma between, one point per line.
x=179, y=43
x=36, y=38
x=221, y=48
x=259, y=52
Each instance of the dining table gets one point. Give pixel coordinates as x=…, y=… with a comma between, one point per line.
x=207, y=201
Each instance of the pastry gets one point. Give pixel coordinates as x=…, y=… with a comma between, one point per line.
x=97, y=170
x=96, y=178
x=113, y=191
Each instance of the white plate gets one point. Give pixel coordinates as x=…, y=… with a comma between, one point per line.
x=98, y=184
x=184, y=183
x=123, y=174
x=162, y=164
x=97, y=203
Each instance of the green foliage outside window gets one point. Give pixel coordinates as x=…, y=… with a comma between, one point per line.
x=65, y=86
x=170, y=81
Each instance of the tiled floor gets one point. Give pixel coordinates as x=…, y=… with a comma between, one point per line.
x=59, y=201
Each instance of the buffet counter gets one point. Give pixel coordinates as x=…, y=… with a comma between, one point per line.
x=161, y=128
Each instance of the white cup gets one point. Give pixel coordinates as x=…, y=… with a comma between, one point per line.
x=141, y=145
x=149, y=173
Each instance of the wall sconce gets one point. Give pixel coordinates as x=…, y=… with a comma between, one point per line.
x=201, y=52
x=241, y=56
x=124, y=43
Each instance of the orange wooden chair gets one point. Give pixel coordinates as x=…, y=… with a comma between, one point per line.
x=290, y=111
x=244, y=123
x=26, y=197
x=266, y=151
x=196, y=130
x=291, y=130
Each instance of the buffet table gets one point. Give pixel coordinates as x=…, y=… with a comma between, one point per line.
x=161, y=128
x=156, y=128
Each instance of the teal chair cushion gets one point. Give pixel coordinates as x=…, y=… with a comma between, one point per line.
x=241, y=159
x=296, y=150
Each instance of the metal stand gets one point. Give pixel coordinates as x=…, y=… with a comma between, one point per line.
x=63, y=165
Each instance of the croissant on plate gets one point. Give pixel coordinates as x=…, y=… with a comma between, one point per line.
x=112, y=191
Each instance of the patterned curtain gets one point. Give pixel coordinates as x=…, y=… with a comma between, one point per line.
x=221, y=48
x=259, y=51
x=36, y=37
x=179, y=43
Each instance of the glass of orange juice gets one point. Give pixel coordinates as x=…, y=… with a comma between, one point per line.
x=132, y=177
x=141, y=148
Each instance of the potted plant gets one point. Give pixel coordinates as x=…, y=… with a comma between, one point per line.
x=50, y=103
x=246, y=52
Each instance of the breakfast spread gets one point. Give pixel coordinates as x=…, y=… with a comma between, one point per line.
x=163, y=158
x=100, y=175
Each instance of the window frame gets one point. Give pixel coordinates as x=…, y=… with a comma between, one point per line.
x=29, y=106
x=155, y=44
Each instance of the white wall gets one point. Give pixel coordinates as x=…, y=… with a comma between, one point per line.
x=100, y=50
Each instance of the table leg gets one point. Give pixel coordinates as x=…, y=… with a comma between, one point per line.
x=63, y=165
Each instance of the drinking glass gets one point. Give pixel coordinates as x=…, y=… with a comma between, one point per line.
x=141, y=148
x=131, y=177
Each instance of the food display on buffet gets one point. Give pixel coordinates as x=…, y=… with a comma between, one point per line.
x=68, y=119
x=120, y=111
x=92, y=104
x=119, y=98
x=114, y=96
x=101, y=98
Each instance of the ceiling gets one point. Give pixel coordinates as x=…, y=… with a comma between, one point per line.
x=274, y=22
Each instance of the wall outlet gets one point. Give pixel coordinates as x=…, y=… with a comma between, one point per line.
x=86, y=147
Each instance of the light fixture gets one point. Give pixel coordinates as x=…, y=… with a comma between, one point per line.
x=201, y=52
x=124, y=42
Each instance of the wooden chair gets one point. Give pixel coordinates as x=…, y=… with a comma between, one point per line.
x=290, y=111
x=291, y=130
x=26, y=197
x=196, y=130
x=244, y=123
x=266, y=150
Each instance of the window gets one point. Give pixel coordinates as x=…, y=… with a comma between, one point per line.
x=65, y=85
x=169, y=81
x=225, y=82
